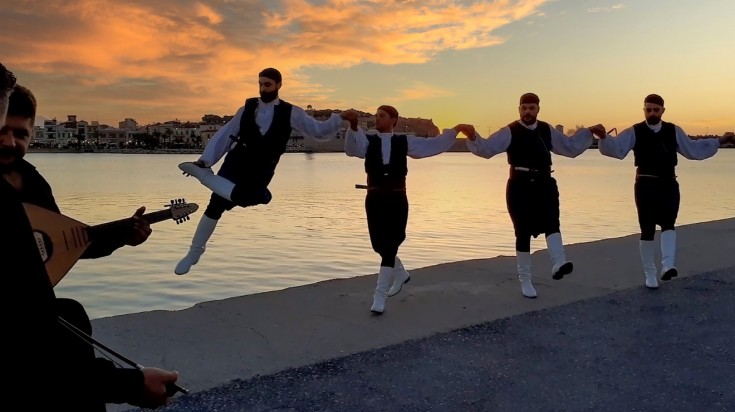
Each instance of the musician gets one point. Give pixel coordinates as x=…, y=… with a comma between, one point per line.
x=51, y=367
x=7, y=81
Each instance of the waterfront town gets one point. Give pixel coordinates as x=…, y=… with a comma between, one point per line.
x=75, y=134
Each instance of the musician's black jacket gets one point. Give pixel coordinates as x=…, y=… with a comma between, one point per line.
x=40, y=374
x=36, y=190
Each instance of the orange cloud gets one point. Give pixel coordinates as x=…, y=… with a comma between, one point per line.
x=184, y=58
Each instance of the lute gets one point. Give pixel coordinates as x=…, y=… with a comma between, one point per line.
x=62, y=240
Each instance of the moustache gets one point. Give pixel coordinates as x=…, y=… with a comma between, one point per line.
x=8, y=153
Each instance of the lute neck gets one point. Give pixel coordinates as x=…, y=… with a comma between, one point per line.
x=153, y=217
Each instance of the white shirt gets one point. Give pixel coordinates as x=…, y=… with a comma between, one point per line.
x=356, y=144
x=619, y=146
x=561, y=144
x=304, y=124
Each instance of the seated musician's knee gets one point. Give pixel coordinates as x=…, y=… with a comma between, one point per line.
x=74, y=313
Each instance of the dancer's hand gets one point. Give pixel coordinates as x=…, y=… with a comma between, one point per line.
x=598, y=131
x=466, y=129
x=350, y=116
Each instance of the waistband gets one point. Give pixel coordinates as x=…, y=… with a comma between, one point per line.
x=654, y=174
x=520, y=171
x=380, y=188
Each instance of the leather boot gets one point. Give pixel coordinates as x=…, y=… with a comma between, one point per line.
x=204, y=231
x=560, y=266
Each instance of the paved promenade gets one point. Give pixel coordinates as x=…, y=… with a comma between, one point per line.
x=461, y=337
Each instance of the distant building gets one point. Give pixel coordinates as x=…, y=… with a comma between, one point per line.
x=559, y=128
x=128, y=124
x=207, y=131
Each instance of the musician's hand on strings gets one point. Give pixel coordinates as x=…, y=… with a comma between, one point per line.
x=141, y=228
x=155, y=391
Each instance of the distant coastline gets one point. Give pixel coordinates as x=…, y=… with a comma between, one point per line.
x=459, y=146
x=137, y=151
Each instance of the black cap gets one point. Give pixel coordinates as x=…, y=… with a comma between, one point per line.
x=272, y=74
x=529, y=98
x=655, y=99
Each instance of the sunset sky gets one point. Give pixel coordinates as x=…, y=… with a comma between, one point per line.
x=461, y=61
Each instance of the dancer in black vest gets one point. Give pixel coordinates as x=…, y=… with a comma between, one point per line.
x=532, y=195
x=254, y=141
x=386, y=204
x=655, y=145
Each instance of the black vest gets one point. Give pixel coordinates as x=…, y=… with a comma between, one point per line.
x=530, y=148
x=260, y=153
x=392, y=175
x=655, y=153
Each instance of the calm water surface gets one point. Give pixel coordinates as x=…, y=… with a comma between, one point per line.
x=315, y=229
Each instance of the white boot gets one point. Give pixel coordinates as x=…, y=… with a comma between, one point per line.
x=523, y=263
x=668, y=255
x=401, y=277
x=385, y=279
x=204, y=231
x=217, y=184
x=648, y=259
x=560, y=265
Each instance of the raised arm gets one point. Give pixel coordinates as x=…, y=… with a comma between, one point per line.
x=571, y=146
x=695, y=149
x=221, y=142
x=419, y=147
x=496, y=143
x=618, y=146
x=320, y=131
x=356, y=143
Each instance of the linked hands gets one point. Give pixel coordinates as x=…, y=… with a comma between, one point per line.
x=141, y=229
x=598, y=131
x=466, y=129
x=350, y=116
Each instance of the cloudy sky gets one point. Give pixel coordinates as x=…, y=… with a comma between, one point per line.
x=454, y=61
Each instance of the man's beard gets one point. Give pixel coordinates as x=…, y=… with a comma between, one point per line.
x=528, y=122
x=653, y=120
x=268, y=97
x=8, y=159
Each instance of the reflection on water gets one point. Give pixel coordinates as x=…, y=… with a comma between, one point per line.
x=314, y=229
